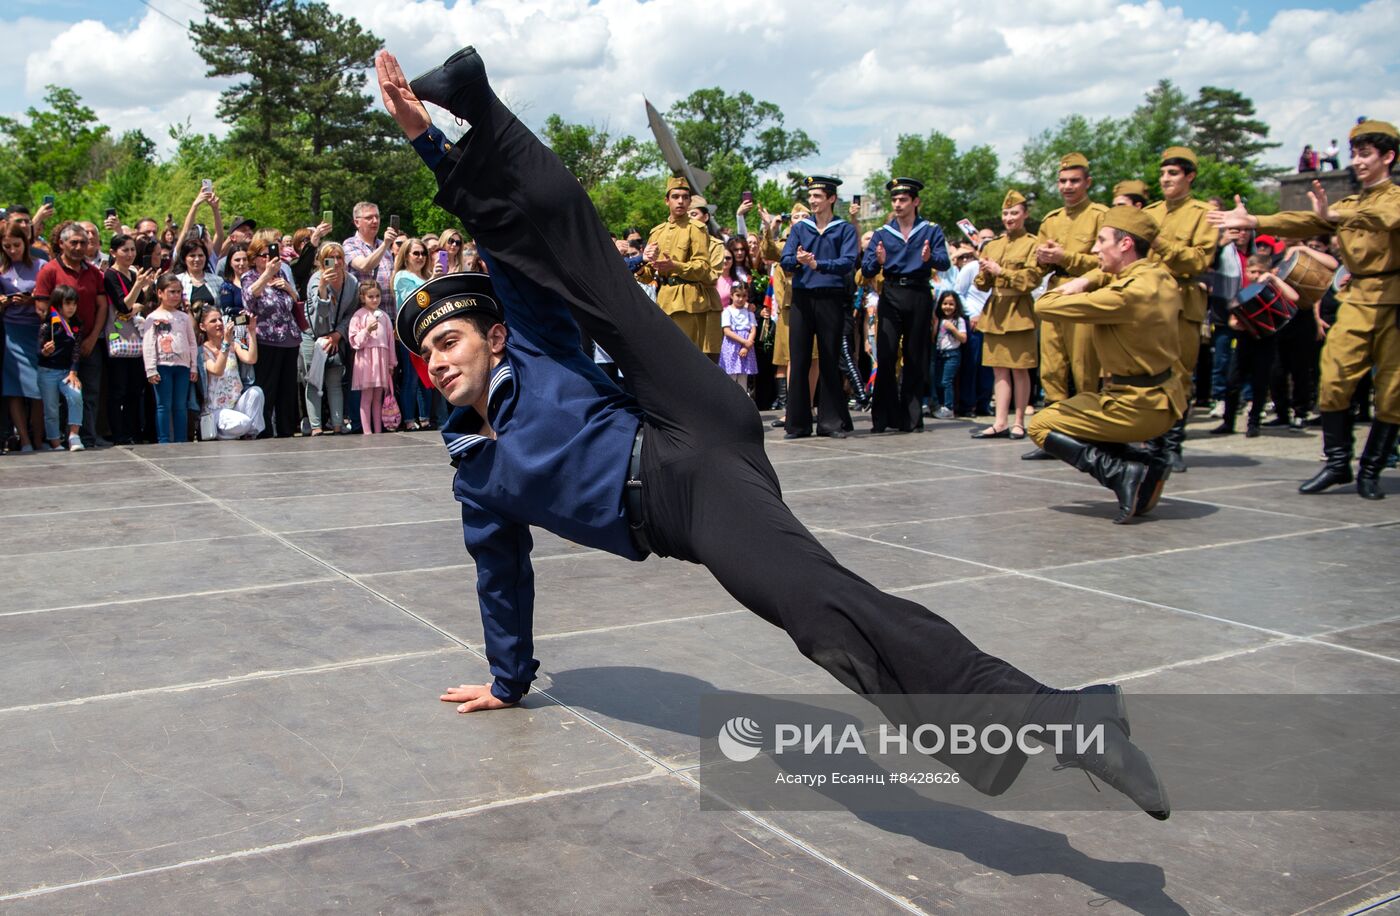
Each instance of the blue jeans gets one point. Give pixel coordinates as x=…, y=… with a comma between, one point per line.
x=51, y=386
x=1220, y=339
x=415, y=401
x=172, y=394
x=944, y=375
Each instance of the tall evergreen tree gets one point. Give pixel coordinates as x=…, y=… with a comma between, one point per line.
x=1223, y=127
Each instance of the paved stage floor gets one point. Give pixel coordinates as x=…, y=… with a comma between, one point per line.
x=219, y=670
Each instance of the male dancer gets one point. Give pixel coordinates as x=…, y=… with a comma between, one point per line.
x=1063, y=250
x=905, y=251
x=820, y=256
x=673, y=466
x=1365, y=338
x=1133, y=322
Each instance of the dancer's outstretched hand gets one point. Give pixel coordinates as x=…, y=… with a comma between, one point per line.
x=403, y=106
x=473, y=697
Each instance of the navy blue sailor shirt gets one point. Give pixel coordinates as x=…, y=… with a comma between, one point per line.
x=563, y=437
x=904, y=257
x=835, y=248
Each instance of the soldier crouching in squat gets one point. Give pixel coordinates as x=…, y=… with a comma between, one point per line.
x=1133, y=319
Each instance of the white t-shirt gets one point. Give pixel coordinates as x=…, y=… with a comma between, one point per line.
x=946, y=341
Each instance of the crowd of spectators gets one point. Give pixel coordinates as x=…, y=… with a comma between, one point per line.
x=213, y=329
x=224, y=329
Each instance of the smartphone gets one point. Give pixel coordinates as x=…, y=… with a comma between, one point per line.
x=48, y=200
x=326, y=217
x=442, y=259
x=968, y=230
x=328, y=263
x=206, y=185
x=855, y=199
x=241, y=319
x=394, y=222
x=146, y=258
x=746, y=196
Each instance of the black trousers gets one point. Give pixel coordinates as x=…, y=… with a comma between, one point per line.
x=704, y=469
x=904, y=312
x=126, y=392
x=1292, y=381
x=276, y=374
x=1253, y=362
x=820, y=312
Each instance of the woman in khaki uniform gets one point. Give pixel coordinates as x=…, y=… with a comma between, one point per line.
x=1008, y=323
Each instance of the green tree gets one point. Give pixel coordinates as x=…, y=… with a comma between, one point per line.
x=734, y=138
x=1223, y=127
x=55, y=148
x=333, y=119
x=592, y=153
x=250, y=39
x=956, y=185
x=1104, y=142
x=709, y=123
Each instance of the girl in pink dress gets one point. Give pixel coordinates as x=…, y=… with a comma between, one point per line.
x=372, y=339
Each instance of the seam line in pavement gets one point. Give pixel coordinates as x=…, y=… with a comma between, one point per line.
x=199, y=594
x=234, y=679
x=328, y=837
x=91, y=509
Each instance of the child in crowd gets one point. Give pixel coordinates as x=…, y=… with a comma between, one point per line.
x=231, y=410
x=949, y=334
x=736, y=354
x=58, y=366
x=169, y=348
x=1254, y=356
x=372, y=339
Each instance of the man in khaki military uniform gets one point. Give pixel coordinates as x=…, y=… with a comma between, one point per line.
x=1131, y=193
x=1185, y=245
x=1009, y=270
x=1133, y=319
x=677, y=257
x=1365, y=338
x=714, y=335
x=1064, y=249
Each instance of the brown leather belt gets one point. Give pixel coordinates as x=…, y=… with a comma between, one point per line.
x=1141, y=381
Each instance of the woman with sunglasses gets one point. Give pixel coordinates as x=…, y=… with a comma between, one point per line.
x=412, y=268
x=453, y=256
x=271, y=296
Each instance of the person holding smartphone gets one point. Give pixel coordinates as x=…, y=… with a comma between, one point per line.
x=369, y=258
x=71, y=268
x=19, y=270
x=331, y=296
x=271, y=296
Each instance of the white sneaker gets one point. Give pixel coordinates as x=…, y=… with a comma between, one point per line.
x=75, y=443
x=26, y=448
x=943, y=413
x=1218, y=411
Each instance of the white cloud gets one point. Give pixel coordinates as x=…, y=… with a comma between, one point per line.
x=994, y=72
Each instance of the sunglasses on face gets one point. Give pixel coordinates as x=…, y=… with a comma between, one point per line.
x=455, y=243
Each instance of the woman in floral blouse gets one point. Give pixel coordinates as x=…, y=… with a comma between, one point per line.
x=270, y=296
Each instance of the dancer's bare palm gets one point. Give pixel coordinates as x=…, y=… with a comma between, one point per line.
x=403, y=106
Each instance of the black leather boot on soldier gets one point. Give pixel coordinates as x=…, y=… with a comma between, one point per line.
x=1120, y=473
x=1379, y=445
x=1337, y=444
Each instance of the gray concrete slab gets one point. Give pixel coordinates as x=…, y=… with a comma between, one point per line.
x=150, y=781
x=640, y=847
x=220, y=683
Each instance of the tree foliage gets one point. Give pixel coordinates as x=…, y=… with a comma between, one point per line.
x=1223, y=127
x=956, y=184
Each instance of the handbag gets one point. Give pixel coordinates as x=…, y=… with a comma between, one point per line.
x=389, y=414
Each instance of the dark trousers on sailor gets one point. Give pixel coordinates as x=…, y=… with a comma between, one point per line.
x=905, y=313
x=820, y=312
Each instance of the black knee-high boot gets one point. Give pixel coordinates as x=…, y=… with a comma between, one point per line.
x=1119, y=472
x=1379, y=444
x=1337, y=444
